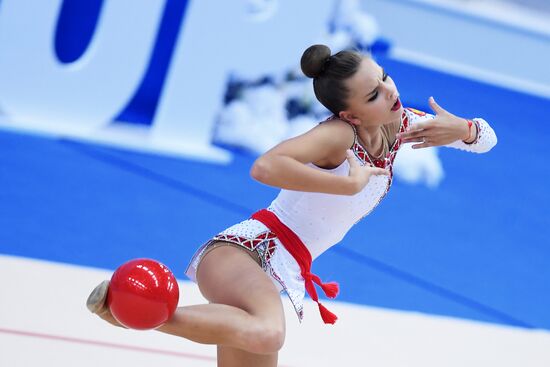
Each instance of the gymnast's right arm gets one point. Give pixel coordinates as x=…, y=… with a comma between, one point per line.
x=284, y=166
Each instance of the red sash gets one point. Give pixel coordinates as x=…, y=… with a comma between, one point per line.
x=300, y=253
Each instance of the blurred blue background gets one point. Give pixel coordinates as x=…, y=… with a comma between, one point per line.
x=475, y=247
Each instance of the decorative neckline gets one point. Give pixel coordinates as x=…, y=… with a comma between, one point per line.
x=362, y=153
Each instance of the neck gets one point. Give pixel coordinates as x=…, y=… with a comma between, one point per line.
x=372, y=139
x=370, y=132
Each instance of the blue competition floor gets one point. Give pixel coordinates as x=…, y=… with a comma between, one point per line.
x=477, y=247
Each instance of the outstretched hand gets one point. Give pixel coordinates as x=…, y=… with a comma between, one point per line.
x=444, y=129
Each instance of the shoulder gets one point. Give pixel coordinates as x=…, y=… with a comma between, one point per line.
x=324, y=141
x=338, y=136
x=336, y=130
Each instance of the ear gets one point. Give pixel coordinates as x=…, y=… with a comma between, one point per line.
x=349, y=117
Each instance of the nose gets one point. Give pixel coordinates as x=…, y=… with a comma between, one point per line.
x=391, y=91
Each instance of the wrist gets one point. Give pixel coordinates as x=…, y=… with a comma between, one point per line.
x=352, y=186
x=470, y=135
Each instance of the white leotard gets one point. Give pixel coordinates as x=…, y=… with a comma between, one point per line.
x=322, y=220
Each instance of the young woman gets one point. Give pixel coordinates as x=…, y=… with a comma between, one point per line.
x=331, y=177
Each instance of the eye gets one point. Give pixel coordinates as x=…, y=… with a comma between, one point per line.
x=384, y=78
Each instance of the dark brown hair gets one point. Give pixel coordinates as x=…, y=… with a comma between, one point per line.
x=329, y=73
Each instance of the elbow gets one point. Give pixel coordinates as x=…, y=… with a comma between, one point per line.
x=260, y=170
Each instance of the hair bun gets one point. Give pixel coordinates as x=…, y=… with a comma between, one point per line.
x=313, y=60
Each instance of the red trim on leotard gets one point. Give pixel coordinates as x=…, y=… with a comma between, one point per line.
x=301, y=254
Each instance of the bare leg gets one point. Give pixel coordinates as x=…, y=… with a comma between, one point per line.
x=245, y=317
x=245, y=312
x=233, y=357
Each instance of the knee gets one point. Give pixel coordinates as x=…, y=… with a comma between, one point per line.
x=266, y=338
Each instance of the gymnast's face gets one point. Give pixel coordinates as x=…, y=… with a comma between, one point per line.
x=373, y=97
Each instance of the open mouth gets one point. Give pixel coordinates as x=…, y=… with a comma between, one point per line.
x=396, y=105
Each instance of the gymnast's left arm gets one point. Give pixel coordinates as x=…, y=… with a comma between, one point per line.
x=446, y=129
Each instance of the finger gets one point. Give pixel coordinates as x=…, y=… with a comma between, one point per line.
x=379, y=171
x=413, y=130
x=435, y=107
x=413, y=140
x=423, y=145
x=422, y=135
x=417, y=126
x=411, y=134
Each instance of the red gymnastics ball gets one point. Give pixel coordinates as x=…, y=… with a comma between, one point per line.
x=143, y=294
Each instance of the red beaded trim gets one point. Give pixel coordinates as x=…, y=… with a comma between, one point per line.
x=362, y=154
x=252, y=243
x=386, y=162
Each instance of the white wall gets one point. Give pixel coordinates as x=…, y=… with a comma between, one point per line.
x=455, y=40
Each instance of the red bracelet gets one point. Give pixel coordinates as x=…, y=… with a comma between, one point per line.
x=470, y=123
